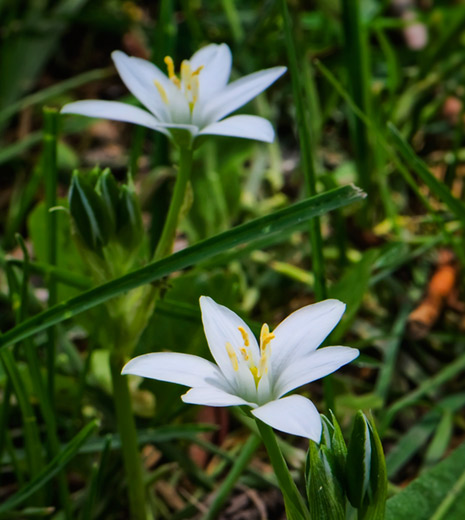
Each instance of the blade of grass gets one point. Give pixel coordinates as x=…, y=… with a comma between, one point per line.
x=43, y=396
x=55, y=90
x=57, y=464
x=274, y=223
x=240, y=463
x=356, y=61
x=307, y=150
x=430, y=384
x=419, y=167
x=391, y=349
x=49, y=170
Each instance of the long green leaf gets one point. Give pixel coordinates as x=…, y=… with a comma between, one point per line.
x=289, y=217
x=438, y=493
x=419, y=167
x=55, y=465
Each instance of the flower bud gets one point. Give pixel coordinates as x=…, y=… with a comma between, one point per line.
x=89, y=213
x=366, y=478
x=325, y=473
x=129, y=228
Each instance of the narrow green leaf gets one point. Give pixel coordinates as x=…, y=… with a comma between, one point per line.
x=419, y=167
x=55, y=465
x=437, y=494
x=289, y=217
x=324, y=491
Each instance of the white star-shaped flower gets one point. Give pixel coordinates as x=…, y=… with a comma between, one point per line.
x=258, y=376
x=191, y=105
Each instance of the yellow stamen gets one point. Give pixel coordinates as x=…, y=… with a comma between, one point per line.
x=265, y=337
x=197, y=71
x=232, y=356
x=185, y=72
x=256, y=377
x=244, y=353
x=170, y=66
x=245, y=336
x=162, y=92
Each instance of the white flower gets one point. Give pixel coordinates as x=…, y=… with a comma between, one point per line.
x=191, y=105
x=257, y=376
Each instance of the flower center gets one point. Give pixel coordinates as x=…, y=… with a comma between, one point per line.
x=187, y=83
x=257, y=369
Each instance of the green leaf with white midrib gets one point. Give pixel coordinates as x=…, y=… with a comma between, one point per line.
x=437, y=494
x=285, y=218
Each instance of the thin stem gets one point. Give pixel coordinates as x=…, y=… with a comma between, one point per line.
x=165, y=244
x=295, y=506
x=237, y=468
x=50, y=176
x=307, y=150
x=128, y=434
x=46, y=407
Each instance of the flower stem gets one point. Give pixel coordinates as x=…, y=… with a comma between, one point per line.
x=293, y=501
x=165, y=244
x=128, y=434
x=238, y=467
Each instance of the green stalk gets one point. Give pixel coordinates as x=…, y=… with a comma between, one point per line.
x=293, y=501
x=307, y=150
x=238, y=467
x=165, y=244
x=31, y=431
x=357, y=68
x=43, y=396
x=50, y=177
x=128, y=434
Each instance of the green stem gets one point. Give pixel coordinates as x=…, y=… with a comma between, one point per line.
x=128, y=434
x=237, y=468
x=43, y=396
x=31, y=431
x=165, y=244
x=293, y=501
x=307, y=150
x=51, y=116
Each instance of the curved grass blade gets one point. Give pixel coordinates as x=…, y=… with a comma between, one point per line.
x=419, y=167
x=248, y=232
x=55, y=465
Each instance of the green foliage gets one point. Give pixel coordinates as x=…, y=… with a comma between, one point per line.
x=435, y=495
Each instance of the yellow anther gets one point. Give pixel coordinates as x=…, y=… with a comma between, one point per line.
x=170, y=66
x=197, y=71
x=265, y=337
x=162, y=91
x=245, y=336
x=244, y=353
x=232, y=356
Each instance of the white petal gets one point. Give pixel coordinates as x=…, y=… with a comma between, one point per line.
x=303, y=331
x=314, y=366
x=211, y=396
x=139, y=76
x=294, y=414
x=221, y=326
x=183, y=369
x=216, y=61
x=248, y=127
x=238, y=93
x=115, y=111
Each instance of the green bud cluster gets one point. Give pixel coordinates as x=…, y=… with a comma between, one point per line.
x=347, y=482
x=107, y=216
